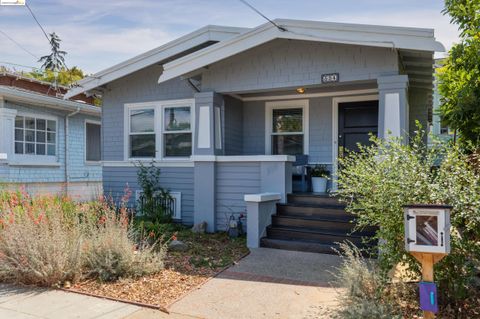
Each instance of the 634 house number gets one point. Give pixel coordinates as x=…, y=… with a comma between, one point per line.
x=330, y=77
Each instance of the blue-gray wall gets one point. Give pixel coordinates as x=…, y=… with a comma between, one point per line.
x=290, y=63
x=79, y=171
x=178, y=179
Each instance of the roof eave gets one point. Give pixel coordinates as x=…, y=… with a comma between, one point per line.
x=47, y=101
x=202, y=35
x=379, y=36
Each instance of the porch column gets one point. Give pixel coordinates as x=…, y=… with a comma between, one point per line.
x=393, y=106
x=207, y=144
x=7, y=124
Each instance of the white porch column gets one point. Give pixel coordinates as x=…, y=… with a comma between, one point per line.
x=7, y=131
x=393, y=106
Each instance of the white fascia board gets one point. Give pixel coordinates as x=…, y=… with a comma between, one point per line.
x=366, y=35
x=207, y=33
x=36, y=99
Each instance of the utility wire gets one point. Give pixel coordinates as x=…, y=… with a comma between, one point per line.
x=36, y=20
x=263, y=16
x=22, y=65
x=18, y=44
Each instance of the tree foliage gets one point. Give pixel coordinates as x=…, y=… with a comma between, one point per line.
x=55, y=61
x=64, y=76
x=459, y=77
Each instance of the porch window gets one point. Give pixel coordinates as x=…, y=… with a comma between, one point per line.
x=35, y=136
x=142, y=132
x=177, y=131
x=287, y=131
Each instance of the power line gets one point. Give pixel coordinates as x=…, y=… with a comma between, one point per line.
x=22, y=65
x=263, y=16
x=36, y=20
x=18, y=44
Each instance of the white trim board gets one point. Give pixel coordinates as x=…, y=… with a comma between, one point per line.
x=270, y=106
x=335, y=102
x=305, y=96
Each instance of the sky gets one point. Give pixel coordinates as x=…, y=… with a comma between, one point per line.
x=98, y=34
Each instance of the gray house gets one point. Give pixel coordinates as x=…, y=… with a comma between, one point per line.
x=224, y=111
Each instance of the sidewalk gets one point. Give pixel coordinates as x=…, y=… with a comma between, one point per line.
x=268, y=283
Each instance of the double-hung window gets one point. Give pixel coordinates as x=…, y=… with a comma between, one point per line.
x=177, y=131
x=287, y=132
x=35, y=136
x=141, y=132
x=159, y=130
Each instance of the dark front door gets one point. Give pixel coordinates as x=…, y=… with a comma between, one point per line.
x=355, y=121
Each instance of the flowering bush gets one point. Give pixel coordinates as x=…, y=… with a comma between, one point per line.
x=47, y=240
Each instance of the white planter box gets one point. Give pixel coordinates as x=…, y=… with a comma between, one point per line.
x=319, y=184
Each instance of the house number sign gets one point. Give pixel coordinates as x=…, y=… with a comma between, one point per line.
x=330, y=77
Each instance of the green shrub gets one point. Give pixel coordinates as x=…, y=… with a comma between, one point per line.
x=376, y=182
x=153, y=195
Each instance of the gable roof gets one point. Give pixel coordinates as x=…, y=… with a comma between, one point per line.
x=187, y=44
x=357, y=34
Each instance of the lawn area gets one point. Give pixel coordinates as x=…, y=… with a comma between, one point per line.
x=207, y=255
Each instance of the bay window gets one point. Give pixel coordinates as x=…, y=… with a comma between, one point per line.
x=159, y=129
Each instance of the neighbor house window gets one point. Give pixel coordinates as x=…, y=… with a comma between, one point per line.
x=35, y=136
x=92, y=142
x=159, y=130
x=177, y=131
x=287, y=131
x=142, y=132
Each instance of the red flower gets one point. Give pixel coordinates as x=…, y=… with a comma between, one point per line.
x=174, y=237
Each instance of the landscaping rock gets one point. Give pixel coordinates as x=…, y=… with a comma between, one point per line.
x=200, y=228
x=177, y=245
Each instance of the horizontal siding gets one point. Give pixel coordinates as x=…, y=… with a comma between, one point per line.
x=233, y=181
x=175, y=179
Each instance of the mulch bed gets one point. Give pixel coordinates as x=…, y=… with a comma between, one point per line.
x=208, y=254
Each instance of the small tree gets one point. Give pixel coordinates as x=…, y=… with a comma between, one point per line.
x=55, y=61
x=376, y=182
x=459, y=77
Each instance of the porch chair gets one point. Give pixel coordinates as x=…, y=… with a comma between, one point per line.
x=301, y=174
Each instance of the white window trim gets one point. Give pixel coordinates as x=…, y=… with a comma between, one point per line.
x=158, y=107
x=20, y=159
x=163, y=132
x=85, y=142
x=270, y=106
x=335, y=102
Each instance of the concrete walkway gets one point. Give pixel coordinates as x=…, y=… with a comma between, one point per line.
x=268, y=283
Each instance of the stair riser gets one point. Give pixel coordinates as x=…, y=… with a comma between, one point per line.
x=296, y=246
x=314, y=200
x=314, y=237
x=343, y=227
x=313, y=212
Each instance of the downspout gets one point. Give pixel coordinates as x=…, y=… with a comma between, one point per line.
x=67, y=179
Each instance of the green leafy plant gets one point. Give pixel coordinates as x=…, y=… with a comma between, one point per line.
x=320, y=170
x=376, y=182
x=154, y=198
x=459, y=78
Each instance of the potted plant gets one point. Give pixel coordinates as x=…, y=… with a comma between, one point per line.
x=319, y=174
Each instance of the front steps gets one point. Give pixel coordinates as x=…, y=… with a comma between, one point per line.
x=312, y=223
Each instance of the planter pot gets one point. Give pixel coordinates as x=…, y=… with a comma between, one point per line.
x=319, y=184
